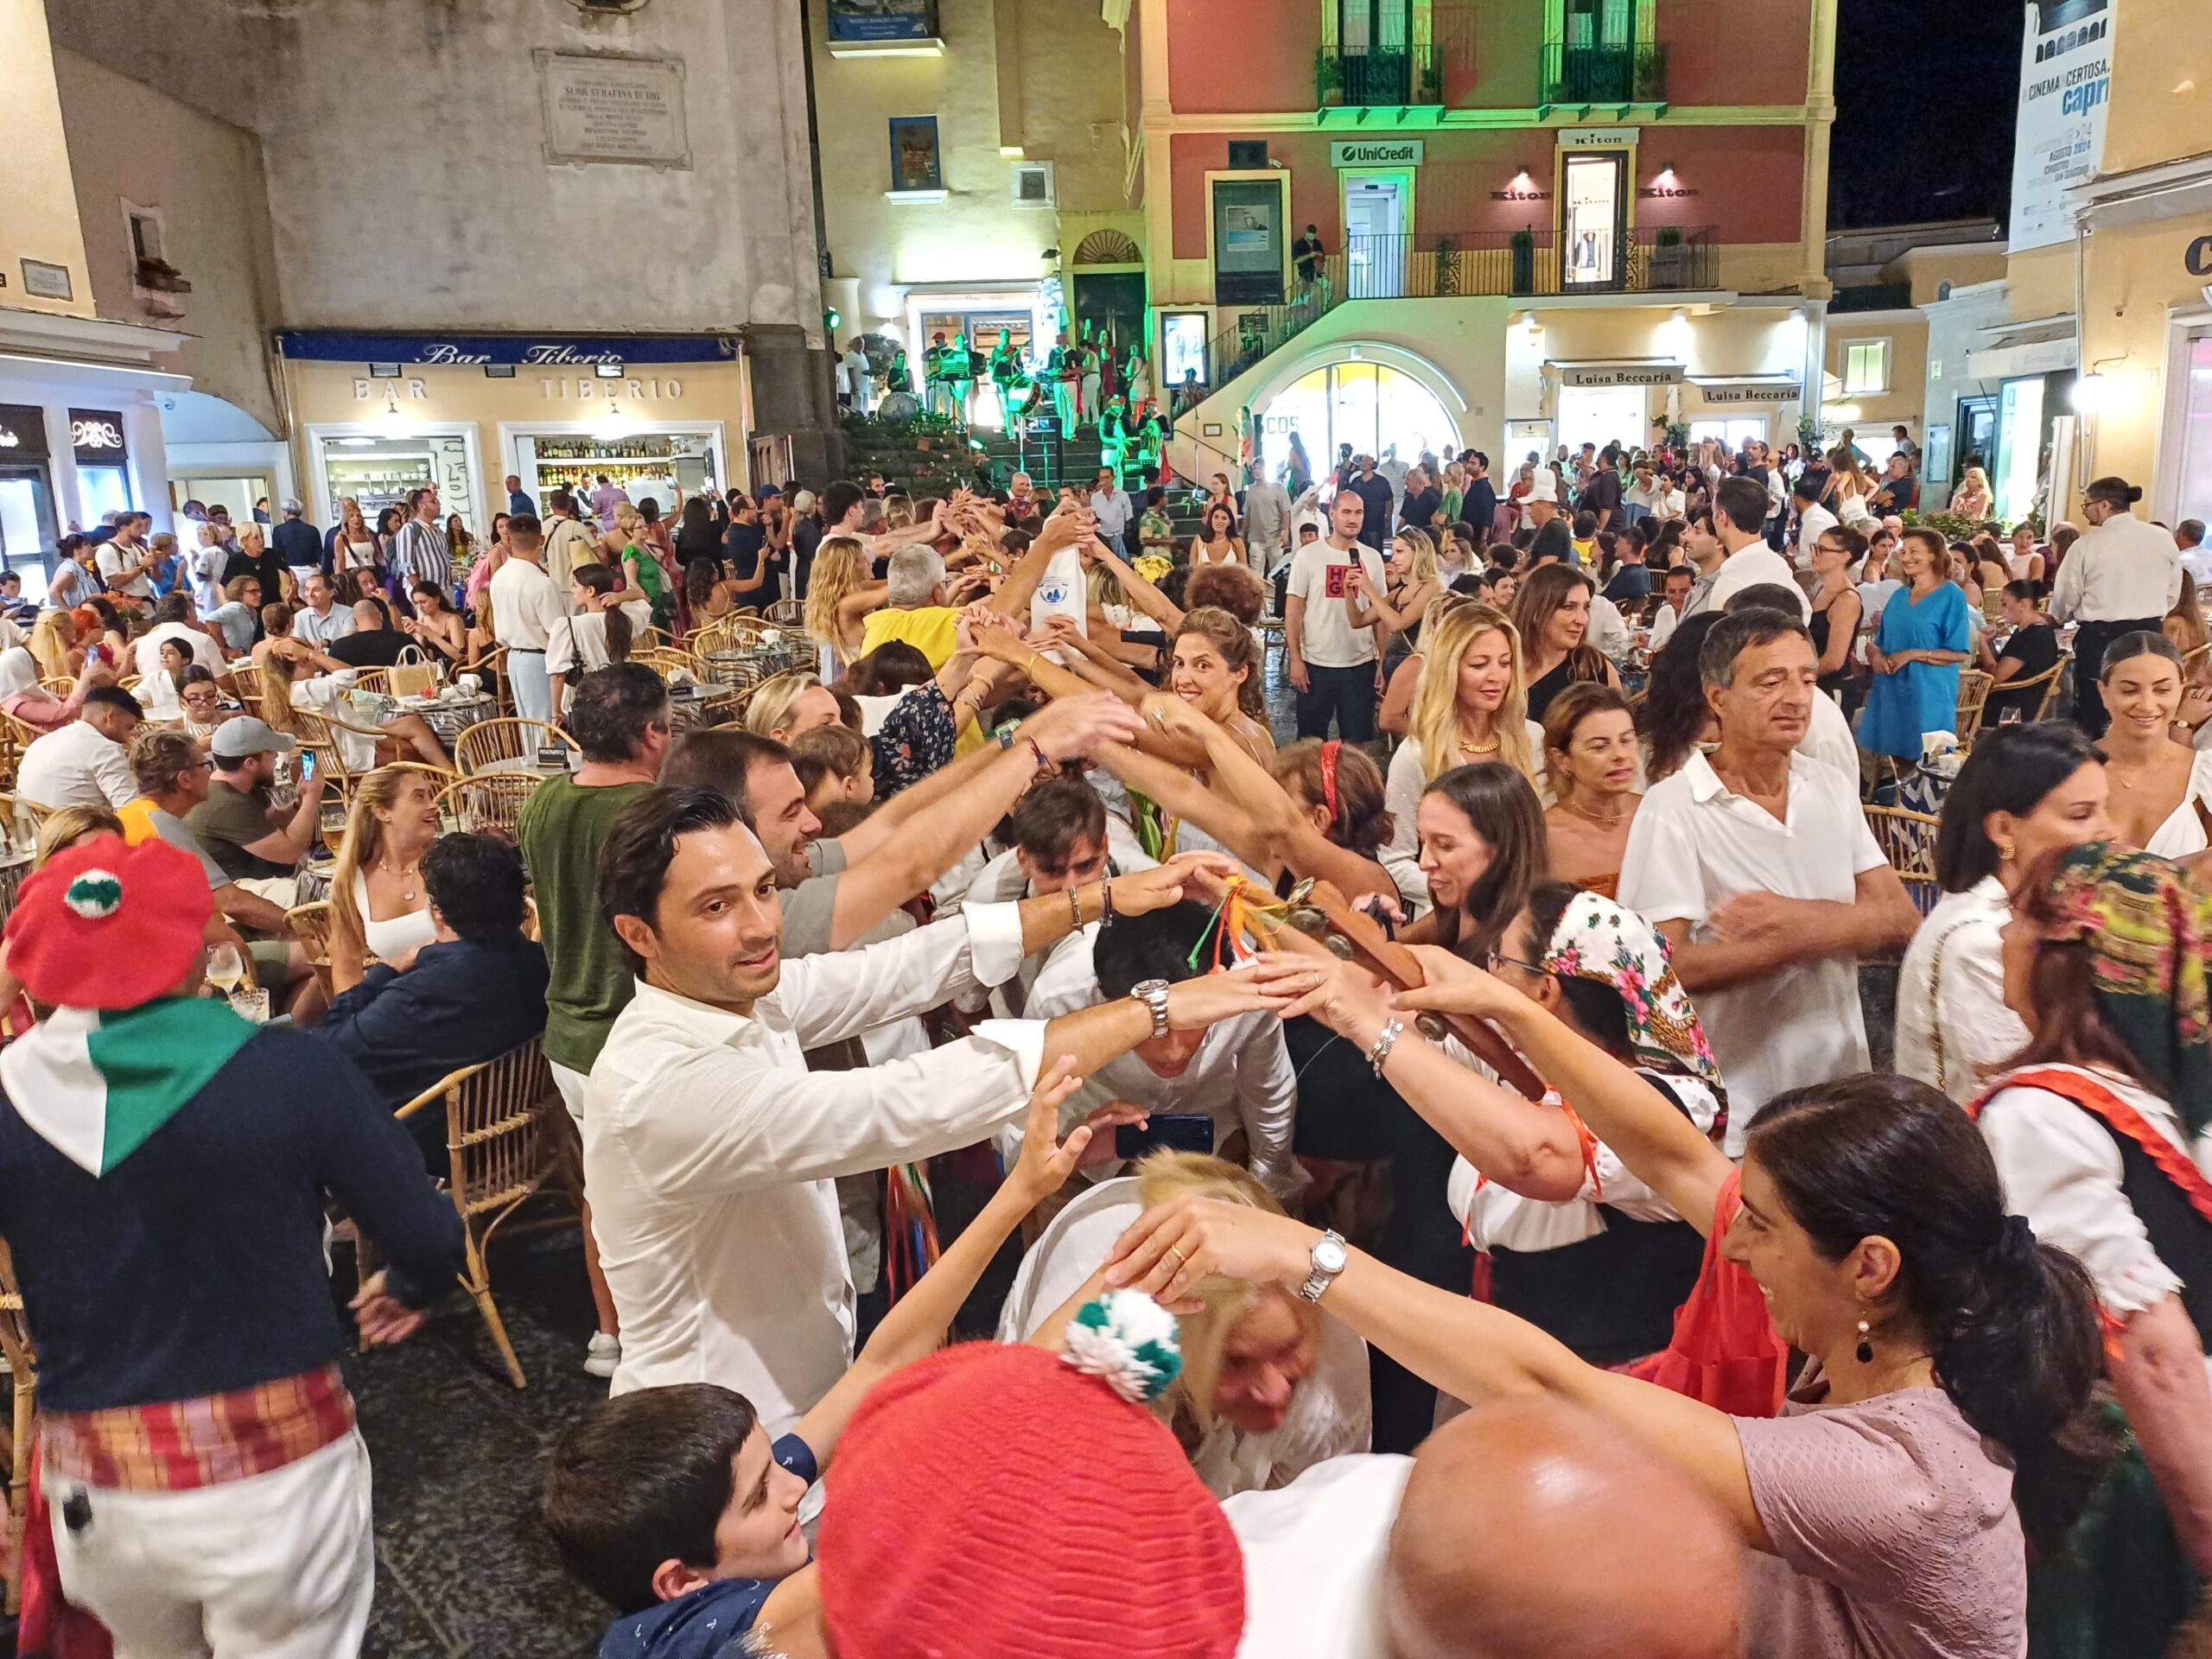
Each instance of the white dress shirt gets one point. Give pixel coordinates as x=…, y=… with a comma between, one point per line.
x=1314, y=1554
x=1608, y=629
x=146, y=654
x=75, y=766
x=2197, y=561
x=1951, y=994
x=1829, y=738
x=1114, y=510
x=525, y=606
x=1664, y=621
x=1814, y=522
x=710, y=1154
x=2061, y=1171
x=1694, y=846
x=1240, y=1075
x=1331, y=1411
x=2124, y=570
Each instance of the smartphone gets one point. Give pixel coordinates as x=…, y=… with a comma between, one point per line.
x=1332, y=580
x=1177, y=1131
x=307, y=764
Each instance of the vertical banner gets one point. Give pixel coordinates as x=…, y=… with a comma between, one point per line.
x=2065, y=85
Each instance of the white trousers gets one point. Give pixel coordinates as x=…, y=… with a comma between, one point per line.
x=282, y=1566
x=533, y=686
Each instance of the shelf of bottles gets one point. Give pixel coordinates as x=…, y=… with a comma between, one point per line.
x=377, y=481
x=650, y=464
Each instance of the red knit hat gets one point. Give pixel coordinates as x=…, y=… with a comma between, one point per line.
x=996, y=1503
x=104, y=926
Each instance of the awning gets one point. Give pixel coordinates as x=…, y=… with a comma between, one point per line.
x=1748, y=388
x=2035, y=345
x=1615, y=372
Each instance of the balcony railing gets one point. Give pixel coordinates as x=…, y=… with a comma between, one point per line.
x=1363, y=77
x=1635, y=73
x=1655, y=259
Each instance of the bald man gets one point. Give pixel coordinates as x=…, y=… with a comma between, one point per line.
x=1525, y=1530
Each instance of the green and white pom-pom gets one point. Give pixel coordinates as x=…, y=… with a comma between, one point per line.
x=1129, y=1342
x=95, y=895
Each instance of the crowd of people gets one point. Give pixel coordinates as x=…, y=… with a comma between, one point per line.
x=1534, y=1264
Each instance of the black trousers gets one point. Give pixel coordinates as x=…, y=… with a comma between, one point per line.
x=1347, y=694
x=2090, y=642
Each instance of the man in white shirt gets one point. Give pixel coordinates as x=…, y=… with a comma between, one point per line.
x=2196, y=558
x=2121, y=577
x=1111, y=504
x=1332, y=663
x=1266, y=525
x=1814, y=520
x=855, y=363
x=1739, y=514
x=569, y=543
x=321, y=619
x=124, y=560
x=525, y=606
x=85, y=763
x=1522, y=1531
x=1678, y=582
x=1827, y=734
x=1758, y=867
x=710, y=1151
x=170, y=613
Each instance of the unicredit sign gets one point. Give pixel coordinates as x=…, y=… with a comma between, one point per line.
x=1375, y=152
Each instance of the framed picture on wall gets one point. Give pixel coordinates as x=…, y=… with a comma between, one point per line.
x=915, y=164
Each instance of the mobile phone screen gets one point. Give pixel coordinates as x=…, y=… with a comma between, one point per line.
x=307, y=764
x=1177, y=1131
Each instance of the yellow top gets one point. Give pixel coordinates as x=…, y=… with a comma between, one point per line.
x=138, y=821
x=931, y=630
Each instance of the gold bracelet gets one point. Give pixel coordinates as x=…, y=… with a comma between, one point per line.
x=1075, y=910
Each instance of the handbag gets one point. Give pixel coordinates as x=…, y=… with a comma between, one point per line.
x=411, y=678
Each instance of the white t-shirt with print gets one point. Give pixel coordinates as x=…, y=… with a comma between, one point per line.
x=1329, y=639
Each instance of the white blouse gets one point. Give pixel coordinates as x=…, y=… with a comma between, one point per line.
x=1953, y=1029
x=2061, y=1171
x=1402, y=788
x=2183, y=833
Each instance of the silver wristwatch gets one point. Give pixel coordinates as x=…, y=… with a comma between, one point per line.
x=1329, y=1259
x=1152, y=993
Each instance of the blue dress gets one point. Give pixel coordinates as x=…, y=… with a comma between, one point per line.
x=1920, y=696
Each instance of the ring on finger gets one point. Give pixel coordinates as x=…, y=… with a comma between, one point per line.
x=1181, y=1260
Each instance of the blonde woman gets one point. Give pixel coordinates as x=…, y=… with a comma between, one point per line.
x=1414, y=582
x=1849, y=488
x=379, y=909
x=1471, y=704
x=354, y=547
x=788, y=704
x=840, y=593
x=52, y=646
x=1973, y=497
x=640, y=564
x=361, y=746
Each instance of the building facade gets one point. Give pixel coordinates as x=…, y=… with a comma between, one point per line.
x=1567, y=221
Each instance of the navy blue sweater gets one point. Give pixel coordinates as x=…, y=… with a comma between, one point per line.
x=463, y=1003
x=195, y=1267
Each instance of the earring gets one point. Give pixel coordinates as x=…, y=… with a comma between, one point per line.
x=2008, y=851
x=1866, y=1349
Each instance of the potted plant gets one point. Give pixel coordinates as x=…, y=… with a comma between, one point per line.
x=1432, y=79
x=1524, y=261
x=1328, y=78
x=1447, y=266
x=1668, y=258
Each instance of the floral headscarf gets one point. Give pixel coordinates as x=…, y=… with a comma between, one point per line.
x=1603, y=940
x=2149, y=933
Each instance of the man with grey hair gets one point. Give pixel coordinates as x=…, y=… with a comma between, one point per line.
x=1758, y=867
x=915, y=610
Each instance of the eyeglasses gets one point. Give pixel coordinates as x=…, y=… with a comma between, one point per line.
x=1497, y=959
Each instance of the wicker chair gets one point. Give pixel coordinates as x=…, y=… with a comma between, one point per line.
x=310, y=926
x=15, y=737
x=60, y=684
x=507, y=1135
x=1908, y=841
x=2045, y=685
x=1974, y=691
x=787, y=613
x=489, y=800
x=22, y=1367
x=506, y=744
x=664, y=660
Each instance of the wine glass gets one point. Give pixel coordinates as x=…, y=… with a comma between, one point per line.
x=227, y=970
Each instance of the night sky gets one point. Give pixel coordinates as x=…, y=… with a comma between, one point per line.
x=1925, y=95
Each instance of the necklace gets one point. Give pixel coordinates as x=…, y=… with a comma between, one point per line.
x=1582, y=811
x=1490, y=748
x=407, y=877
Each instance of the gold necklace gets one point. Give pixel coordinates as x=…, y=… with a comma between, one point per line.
x=410, y=873
x=1581, y=811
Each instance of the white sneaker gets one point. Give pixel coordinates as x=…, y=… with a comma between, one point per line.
x=602, y=1354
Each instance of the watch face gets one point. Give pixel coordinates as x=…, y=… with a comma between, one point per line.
x=1329, y=1256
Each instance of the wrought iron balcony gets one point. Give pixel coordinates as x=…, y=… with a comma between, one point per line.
x=1630, y=73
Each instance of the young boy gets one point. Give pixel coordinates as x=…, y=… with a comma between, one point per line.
x=834, y=763
x=674, y=1505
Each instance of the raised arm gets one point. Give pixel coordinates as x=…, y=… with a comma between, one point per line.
x=1658, y=1145
x=1139, y=592
x=1175, y=791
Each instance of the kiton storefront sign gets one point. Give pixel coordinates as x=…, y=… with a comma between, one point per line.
x=507, y=351
x=1375, y=152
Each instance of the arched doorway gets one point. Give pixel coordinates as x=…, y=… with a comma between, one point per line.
x=1378, y=409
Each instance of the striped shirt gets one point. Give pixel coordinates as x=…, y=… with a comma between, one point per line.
x=420, y=555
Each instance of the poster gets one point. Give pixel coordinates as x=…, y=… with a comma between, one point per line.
x=1182, y=345
x=1593, y=212
x=874, y=21
x=914, y=154
x=2065, y=84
